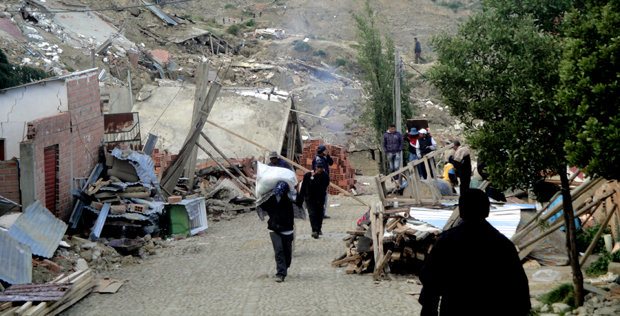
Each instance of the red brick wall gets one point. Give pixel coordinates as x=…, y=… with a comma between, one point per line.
x=49, y=131
x=9, y=180
x=87, y=121
x=78, y=134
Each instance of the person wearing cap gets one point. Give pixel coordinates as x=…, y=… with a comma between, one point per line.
x=426, y=144
x=392, y=144
x=313, y=191
x=462, y=163
x=280, y=224
x=474, y=253
x=276, y=161
x=412, y=139
x=323, y=155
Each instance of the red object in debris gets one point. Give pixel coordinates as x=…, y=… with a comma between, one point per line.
x=161, y=56
x=174, y=199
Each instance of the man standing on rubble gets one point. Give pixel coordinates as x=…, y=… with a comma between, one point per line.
x=462, y=164
x=486, y=259
x=323, y=155
x=279, y=207
x=313, y=191
x=276, y=161
x=392, y=144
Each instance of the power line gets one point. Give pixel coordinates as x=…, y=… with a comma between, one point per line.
x=104, y=9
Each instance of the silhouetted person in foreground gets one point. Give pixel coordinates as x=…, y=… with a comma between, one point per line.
x=473, y=268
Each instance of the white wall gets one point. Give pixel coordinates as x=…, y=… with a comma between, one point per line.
x=21, y=105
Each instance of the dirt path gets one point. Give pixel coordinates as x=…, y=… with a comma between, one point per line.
x=229, y=271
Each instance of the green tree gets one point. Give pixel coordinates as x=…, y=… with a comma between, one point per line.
x=546, y=13
x=498, y=74
x=589, y=83
x=14, y=75
x=376, y=58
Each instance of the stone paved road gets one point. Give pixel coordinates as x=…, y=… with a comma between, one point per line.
x=229, y=271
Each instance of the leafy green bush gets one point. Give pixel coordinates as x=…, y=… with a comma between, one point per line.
x=233, y=29
x=340, y=62
x=320, y=53
x=15, y=75
x=229, y=6
x=250, y=23
x=599, y=267
x=454, y=5
x=562, y=294
x=302, y=47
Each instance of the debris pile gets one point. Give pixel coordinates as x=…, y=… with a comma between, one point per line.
x=341, y=173
x=386, y=242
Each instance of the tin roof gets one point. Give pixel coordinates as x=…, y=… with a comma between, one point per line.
x=39, y=229
x=15, y=260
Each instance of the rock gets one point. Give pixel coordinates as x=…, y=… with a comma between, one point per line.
x=81, y=265
x=581, y=310
x=614, y=267
x=96, y=254
x=147, y=237
x=536, y=304
x=87, y=255
x=560, y=307
x=89, y=245
x=607, y=311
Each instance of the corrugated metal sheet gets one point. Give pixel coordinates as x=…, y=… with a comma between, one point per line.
x=160, y=13
x=39, y=229
x=15, y=260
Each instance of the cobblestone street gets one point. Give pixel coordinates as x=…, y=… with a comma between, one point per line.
x=230, y=269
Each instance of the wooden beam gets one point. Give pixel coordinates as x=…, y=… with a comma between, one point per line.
x=225, y=158
x=379, y=268
x=200, y=95
x=226, y=170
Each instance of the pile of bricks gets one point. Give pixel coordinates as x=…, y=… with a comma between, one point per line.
x=161, y=160
x=341, y=173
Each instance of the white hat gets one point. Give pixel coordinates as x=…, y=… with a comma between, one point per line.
x=423, y=131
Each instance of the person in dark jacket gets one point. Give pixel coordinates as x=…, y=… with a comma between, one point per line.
x=280, y=224
x=313, y=191
x=392, y=144
x=412, y=139
x=276, y=161
x=426, y=144
x=323, y=155
x=474, y=255
x=462, y=163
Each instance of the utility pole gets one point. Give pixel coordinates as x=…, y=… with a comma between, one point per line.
x=397, y=112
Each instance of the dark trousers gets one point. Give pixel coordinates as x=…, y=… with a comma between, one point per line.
x=464, y=185
x=283, y=249
x=315, y=213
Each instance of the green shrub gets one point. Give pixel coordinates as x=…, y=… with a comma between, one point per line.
x=320, y=53
x=302, y=47
x=454, y=5
x=599, y=267
x=250, y=23
x=229, y=6
x=340, y=62
x=562, y=294
x=233, y=29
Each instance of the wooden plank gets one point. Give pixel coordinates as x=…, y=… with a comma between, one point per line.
x=36, y=309
x=5, y=306
x=380, y=190
x=373, y=230
x=200, y=96
x=340, y=262
x=22, y=309
x=225, y=158
x=226, y=171
x=379, y=268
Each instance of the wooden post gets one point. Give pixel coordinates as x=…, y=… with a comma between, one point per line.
x=200, y=96
x=598, y=235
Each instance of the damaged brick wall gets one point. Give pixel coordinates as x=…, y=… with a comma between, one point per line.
x=51, y=131
x=9, y=180
x=86, y=120
x=78, y=135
